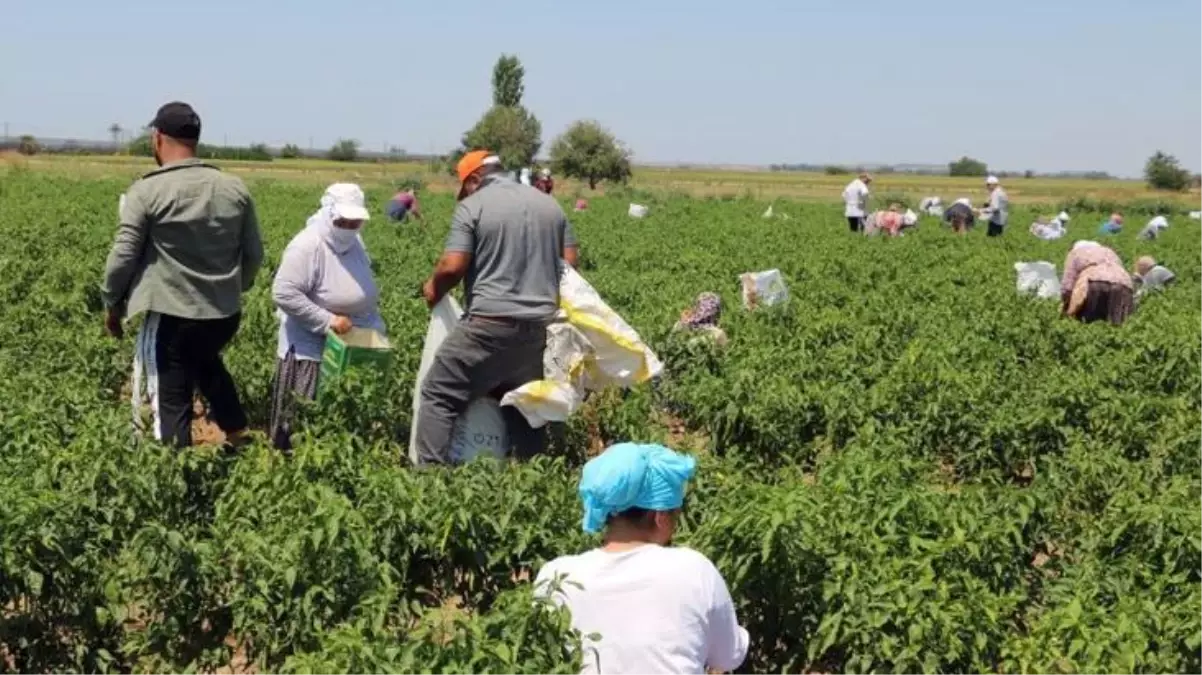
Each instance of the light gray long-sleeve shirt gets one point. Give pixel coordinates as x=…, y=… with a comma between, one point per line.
x=999, y=207
x=313, y=284
x=188, y=244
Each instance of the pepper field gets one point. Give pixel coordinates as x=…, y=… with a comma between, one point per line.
x=906, y=468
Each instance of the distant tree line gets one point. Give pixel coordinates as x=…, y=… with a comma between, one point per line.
x=343, y=150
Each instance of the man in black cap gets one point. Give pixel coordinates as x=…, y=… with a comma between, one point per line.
x=187, y=248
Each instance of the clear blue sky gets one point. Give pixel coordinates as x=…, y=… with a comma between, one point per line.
x=1044, y=84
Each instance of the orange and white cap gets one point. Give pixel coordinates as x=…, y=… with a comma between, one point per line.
x=471, y=163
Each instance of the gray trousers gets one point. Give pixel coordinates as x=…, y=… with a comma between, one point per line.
x=481, y=356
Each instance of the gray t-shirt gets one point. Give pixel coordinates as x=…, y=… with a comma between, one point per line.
x=516, y=236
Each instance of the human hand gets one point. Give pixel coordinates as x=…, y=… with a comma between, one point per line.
x=112, y=323
x=429, y=294
x=340, y=324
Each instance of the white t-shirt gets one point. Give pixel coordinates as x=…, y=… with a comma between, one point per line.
x=657, y=610
x=855, y=199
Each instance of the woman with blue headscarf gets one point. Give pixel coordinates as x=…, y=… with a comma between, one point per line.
x=657, y=609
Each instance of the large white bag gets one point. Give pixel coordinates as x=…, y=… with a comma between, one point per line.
x=763, y=289
x=637, y=211
x=479, y=432
x=481, y=428
x=1038, y=278
x=589, y=347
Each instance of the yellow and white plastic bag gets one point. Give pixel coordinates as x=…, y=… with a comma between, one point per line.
x=589, y=347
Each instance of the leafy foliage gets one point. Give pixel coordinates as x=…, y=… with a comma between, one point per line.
x=906, y=468
x=588, y=151
x=345, y=150
x=1164, y=172
x=512, y=133
x=28, y=145
x=967, y=166
x=507, y=86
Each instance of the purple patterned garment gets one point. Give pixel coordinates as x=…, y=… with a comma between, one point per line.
x=705, y=311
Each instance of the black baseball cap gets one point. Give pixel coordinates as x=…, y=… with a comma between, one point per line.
x=178, y=120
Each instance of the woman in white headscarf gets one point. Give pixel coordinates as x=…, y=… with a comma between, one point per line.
x=324, y=283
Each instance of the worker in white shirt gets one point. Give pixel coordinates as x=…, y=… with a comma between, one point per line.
x=855, y=201
x=998, y=209
x=657, y=608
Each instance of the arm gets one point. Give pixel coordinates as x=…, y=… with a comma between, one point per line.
x=252, y=245
x=571, y=247
x=294, y=281
x=1072, y=269
x=456, y=257
x=726, y=640
x=125, y=258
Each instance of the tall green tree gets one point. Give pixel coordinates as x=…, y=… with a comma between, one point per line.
x=507, y=128
x=588, y=151
x=1164, y=172
x=345, y=150
x=512, y=133
x=967, y=166
x=507, y=86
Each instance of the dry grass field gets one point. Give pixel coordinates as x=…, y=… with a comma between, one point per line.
x=691, y=181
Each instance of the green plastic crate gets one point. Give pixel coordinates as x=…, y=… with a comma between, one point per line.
x=358, y=347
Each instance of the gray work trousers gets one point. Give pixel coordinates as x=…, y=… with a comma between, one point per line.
x=481, y=356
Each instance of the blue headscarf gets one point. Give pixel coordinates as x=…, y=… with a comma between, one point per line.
x=627, y=475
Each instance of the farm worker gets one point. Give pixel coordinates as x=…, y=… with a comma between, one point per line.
x=1095, y=286
x=855, y=201
x=402, y=204
x=891, y=221
x=1048, y=230
x=544, y=182
x=960, y=215
x=324, y=283
x=703, y=317
x=658, y=608
x=999, y=207
x=1153, y=229
x=1150, y=276
x=1113, y=225
x=525, y=175
x=187, y=249
x=581, y=205
x=506, y=244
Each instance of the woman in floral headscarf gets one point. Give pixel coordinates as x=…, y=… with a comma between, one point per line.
x=1095, y=287
x=703, y=317
x=658, y=608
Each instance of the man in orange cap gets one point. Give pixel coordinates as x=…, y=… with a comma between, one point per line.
x=506, y=244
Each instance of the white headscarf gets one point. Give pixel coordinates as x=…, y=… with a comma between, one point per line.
x=965, y=201
x=337, y=238
x=1084, y=243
